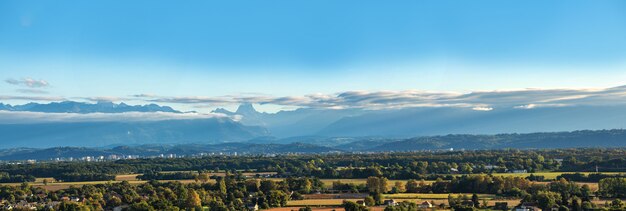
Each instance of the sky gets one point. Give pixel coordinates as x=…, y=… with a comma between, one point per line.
x=222, y=53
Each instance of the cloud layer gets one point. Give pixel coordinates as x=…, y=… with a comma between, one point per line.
x=28, y=82
x=479, y=100
x=32, y=98
x=25, y=117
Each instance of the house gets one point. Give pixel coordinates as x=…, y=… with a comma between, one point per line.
x=360, y=202
x=390, y=202
x=491, y=166
x=527, y=207
x=519, y=171
x=454, y=171
x=6, y=207
x=253, y=207
x=425, y=204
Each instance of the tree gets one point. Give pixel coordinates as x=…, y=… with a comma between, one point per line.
x=203, y=177
x=267, y=185
x=475, y=200
x=466, y=168
x=378, y=197
x=617, y=203
x=306, y=187
x=547, y=199
x=192, y=200
x=586, y=205
x=307, y=208
x=45, y=181
x=351, y=206
x=277, y=198
x=114, y=201
x=452, y=201
x=377, y=184
x=575, y=205
x=411, y=186
x=612, y=187
x=222, y=185
x=369, y=201
x=140, y=206
x=399, y=188
x=71, y=206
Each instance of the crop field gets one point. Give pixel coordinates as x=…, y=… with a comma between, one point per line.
x=321, y=208
x=318, y=202
x=547, y=175
x=337, y=202
x=131, y=178
x=431, y=196
x=126, y=177
x=329, y=182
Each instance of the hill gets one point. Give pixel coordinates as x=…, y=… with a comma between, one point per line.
x=575, y=139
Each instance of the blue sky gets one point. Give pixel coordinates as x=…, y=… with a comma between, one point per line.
x=117, y=49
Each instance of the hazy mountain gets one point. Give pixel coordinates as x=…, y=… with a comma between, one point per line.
x=586, y=138
x=80, y=107
x=316, y=125
x=210, y=130
x=299, y=122
x=576, y=139
x=5, y=106
x=440, y=121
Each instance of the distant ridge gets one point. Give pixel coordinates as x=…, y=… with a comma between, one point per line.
x=81, y=107
x=575, y=139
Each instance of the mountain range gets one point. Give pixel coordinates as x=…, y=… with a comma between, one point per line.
x=357, y=129
x=429, y=121
x=575, y=139
x=83, y=108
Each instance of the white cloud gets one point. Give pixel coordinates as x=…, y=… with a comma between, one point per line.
x=106, y=99
x=29, y=82
x=478, y=100
x=22, y=117
x=32, y=98
x=528, y=106
x=31, y=91
x=482, y=108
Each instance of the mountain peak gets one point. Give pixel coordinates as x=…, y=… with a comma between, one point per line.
x=246, y=108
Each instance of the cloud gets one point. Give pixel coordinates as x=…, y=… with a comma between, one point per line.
x=29, y=82
x=106, y=99
x=24, y=117
x=478, y=100
x=32, y=98
x=482, y=108
x=31, y=91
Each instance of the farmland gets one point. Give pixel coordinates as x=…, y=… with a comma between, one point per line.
x=325, y=182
